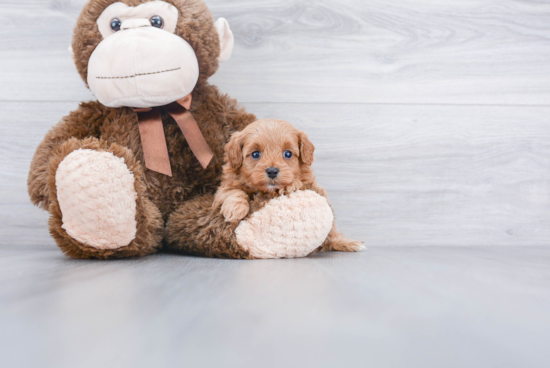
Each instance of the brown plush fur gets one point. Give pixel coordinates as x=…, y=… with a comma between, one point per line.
x=246, y=188
x=196, y=228
x=116, y=131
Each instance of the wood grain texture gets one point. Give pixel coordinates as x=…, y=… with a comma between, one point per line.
x=405, y=51
x=387, y=307
x=396, y=174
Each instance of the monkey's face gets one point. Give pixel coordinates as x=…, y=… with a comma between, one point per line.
x=144, y=59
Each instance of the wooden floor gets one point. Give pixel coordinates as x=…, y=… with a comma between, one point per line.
x=431, y=121
x=386, y=307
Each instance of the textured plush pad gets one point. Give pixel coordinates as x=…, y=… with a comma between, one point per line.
x=287, y=227
x=97, y=198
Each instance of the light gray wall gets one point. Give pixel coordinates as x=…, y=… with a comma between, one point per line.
x=431, y=118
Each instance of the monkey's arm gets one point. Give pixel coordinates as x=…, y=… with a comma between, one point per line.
x=198, y=228
x=81, y=123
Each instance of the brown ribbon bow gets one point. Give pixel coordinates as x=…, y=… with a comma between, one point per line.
x=153, y=140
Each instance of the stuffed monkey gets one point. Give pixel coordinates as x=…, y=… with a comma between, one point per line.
x=113, y=172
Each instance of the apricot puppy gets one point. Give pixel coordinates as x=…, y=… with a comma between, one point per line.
x=267, y=159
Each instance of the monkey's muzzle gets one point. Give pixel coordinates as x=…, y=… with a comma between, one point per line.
x=142, y=66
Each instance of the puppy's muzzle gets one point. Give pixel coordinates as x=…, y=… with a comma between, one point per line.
x=272, y=172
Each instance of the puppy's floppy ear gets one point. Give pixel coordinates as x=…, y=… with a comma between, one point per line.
x=234, y=150
x=306, y=149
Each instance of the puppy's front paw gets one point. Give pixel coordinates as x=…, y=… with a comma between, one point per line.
x=234, y=209
x=342, y=243
x=297, y=185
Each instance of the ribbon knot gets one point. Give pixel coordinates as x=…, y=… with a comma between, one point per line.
x=153, y=141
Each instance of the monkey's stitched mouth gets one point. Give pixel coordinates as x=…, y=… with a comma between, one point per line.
x=138, y=75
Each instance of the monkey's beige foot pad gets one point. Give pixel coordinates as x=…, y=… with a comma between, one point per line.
x=287, y=227
x=97, y=198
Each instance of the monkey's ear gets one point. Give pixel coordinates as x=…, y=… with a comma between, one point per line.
x=226, y=39
x=234, y=150
x=306, y=149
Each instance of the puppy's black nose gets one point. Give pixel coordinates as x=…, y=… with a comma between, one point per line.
x=272, y=172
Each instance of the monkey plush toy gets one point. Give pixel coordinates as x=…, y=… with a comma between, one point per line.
x=113, y=172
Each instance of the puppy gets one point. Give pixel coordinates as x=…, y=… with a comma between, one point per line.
x=267, y=159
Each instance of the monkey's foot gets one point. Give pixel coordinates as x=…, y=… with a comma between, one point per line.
x=287, y=227
x=97, y=199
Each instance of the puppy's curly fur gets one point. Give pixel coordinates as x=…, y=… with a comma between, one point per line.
x=246, y=187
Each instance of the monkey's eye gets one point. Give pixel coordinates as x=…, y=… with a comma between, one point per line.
x=287, y=154
x=115, y=24
x=256, y=155
x=157, y=21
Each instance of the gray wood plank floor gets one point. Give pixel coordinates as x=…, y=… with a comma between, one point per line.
x=432, y=126
x=386, y=307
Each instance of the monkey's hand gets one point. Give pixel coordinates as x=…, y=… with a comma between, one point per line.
x=287, y=226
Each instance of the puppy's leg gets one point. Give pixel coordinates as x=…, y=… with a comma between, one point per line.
x=296, y=185
x=234, y=204
x=336, y=241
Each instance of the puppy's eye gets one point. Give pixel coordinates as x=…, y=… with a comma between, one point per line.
x=157, y=21
x=115, y=24
x=287, y=154
x=256, y=155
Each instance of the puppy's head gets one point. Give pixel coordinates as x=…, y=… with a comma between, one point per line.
x=269, y=154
